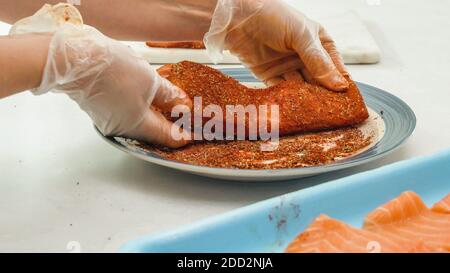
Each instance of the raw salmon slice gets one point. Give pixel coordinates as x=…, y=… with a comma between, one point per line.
x=443, y=206
x=407, y=218
x=404, y=225
x=327, y=235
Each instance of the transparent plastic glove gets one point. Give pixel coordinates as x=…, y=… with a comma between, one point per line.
x=276, y=42
x=112, y=85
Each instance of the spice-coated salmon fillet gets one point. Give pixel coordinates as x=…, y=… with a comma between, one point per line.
x=177, y=44
x=303, y=107
x=402, y=225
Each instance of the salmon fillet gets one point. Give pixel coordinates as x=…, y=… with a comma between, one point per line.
x=303, y=107
x=177, y=44
x=403, y=225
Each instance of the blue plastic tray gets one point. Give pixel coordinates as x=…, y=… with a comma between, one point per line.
x=270, y=225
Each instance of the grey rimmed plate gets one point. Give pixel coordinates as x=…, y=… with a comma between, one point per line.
x=399, y=123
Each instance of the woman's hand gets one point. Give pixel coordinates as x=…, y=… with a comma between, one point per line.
x=112, y=85
x=276, y=42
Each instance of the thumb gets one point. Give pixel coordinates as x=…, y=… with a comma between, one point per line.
x=322, y=68
x=318, y=62
x=156, y=129
x=168, y=96
x=330, y=46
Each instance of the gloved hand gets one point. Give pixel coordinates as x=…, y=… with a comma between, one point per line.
x=112, y=85
x=276, y=42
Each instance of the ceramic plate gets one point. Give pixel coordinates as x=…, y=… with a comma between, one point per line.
x=397, y=117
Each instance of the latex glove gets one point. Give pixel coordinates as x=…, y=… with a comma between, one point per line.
x=276, y=42
x=112, y=85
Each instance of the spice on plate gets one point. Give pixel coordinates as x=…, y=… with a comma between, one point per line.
x=304, y=150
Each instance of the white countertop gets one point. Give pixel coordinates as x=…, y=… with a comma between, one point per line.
x=59, y=182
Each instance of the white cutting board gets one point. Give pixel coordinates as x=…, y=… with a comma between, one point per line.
x=354, y=42
x=353, y=39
